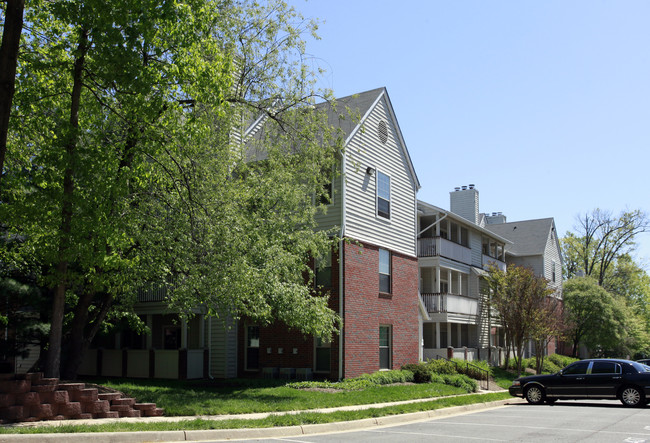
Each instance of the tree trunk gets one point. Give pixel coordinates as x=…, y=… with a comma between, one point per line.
x=53, y=365
x=80, y=335
x=13, y=27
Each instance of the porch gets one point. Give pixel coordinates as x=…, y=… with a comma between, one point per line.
x=146, y=363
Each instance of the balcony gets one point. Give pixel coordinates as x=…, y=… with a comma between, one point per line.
x=438, y=246
x=487, y=261
x=450, y=303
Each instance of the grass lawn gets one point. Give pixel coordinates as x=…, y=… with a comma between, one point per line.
x=271, y=421
x=247, y=396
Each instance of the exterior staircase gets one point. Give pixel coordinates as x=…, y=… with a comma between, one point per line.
x=31, y=397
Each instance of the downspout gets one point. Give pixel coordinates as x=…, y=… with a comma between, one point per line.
x=341, y=267
x=210, y=348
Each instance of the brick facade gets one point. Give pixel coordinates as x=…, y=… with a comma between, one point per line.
x=365, y=309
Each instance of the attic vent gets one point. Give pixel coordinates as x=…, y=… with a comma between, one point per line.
x=382, y=129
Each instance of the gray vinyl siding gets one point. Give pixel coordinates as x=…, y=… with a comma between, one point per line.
x=476, y=245
x=223, y=348
x=366, y=150
x=552, y=254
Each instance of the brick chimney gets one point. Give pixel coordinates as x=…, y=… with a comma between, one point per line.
x=464, y=202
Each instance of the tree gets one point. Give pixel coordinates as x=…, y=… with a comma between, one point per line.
x=13, y=27
x=132, y=166
x=600, y=239
x=547, y=326
x=601, y=321
x=519, y=296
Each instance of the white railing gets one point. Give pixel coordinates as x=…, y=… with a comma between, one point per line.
x=450, y=303
x=431, y=247
x=454, y=251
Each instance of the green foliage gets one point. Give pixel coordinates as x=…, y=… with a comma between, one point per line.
x=418, y=373
x=364, y=381
x=272, y=420
x=602, y=321
x=458, y=380
x=471, y=369
x=523, y=302
x=441, y=366
x=561, y=361
x=421, y=373
x=131, y=164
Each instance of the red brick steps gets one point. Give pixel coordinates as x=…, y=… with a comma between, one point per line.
x=30, y=397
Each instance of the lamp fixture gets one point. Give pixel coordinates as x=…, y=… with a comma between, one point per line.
x=370, y=170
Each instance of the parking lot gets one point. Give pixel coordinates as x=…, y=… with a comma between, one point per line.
x=568, y=421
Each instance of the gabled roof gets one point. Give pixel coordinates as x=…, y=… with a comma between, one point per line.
x=529, y=237
x=360, y=106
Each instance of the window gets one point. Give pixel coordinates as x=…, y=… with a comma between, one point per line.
x=454, y=233
x=384, y=271
x=385, y=343
x=324, y=271
x=605, y=367
x=252, y=348
x=323, y=355
x=464, y=237
x=553, y=273
x=577, y=368
x=383, y=195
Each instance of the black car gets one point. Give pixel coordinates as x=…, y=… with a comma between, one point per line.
x=626, y=380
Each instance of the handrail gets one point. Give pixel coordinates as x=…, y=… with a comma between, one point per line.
x=468, y=364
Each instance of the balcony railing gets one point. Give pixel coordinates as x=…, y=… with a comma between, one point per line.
x=438, y=246
x=487, y=261
x=450, y=303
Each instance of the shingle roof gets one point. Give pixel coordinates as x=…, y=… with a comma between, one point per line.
x=357, y=104
x=529, y=237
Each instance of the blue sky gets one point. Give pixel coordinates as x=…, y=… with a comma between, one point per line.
x=544, y=106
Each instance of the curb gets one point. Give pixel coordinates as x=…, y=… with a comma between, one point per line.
x=234, y=434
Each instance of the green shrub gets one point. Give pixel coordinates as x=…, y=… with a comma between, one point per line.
x=470, y=368
x=561, y=360
x=421, y=374
x=441, y=367
x=461, y=381
x=388, y=377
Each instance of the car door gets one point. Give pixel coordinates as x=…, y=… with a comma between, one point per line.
x=604, y=379
x=571, y=381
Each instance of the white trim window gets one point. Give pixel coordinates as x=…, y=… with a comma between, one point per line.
x=383, y=195
x=385, y=347
x=384, y=271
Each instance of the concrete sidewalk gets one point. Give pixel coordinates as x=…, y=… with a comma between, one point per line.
x=230, y=434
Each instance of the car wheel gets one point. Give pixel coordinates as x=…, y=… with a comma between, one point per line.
x=534, y=395
x=631, y=396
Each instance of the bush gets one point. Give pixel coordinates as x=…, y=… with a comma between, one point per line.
x=421, y=374
x=462, y=367
x=561, y=361
x=388, y=377
x=441, y=367
x=359, y=383
x=461, y=381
